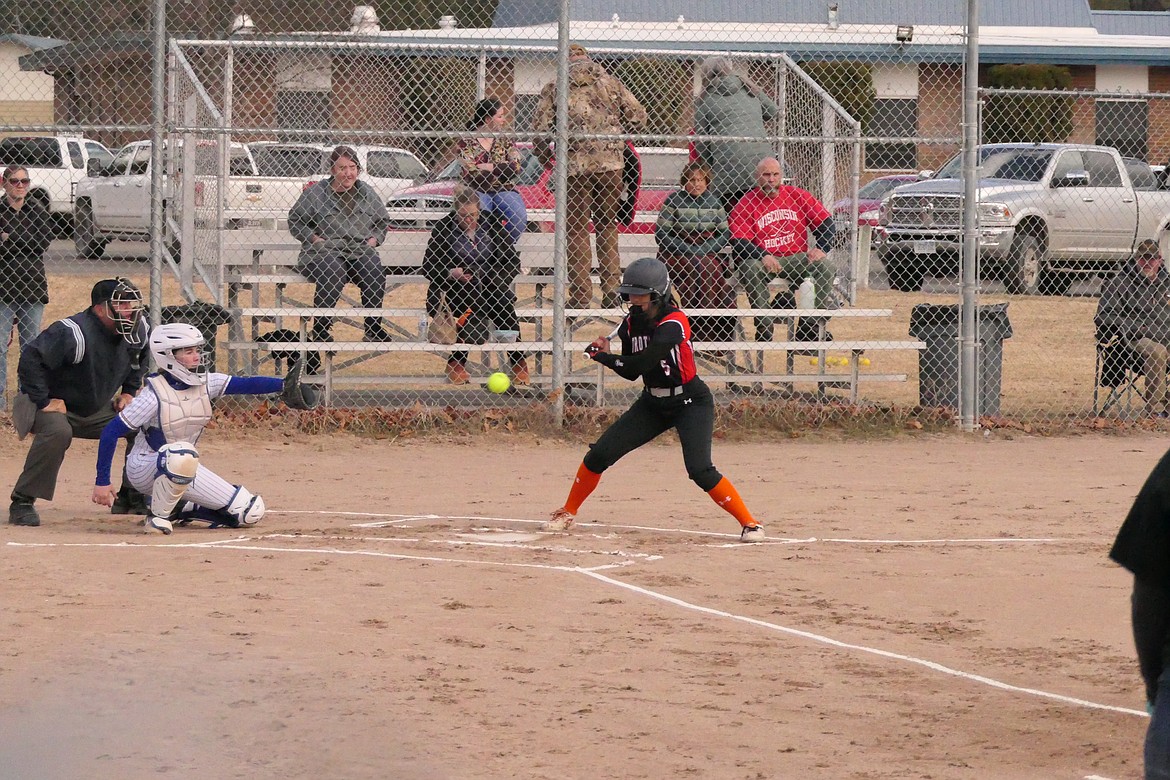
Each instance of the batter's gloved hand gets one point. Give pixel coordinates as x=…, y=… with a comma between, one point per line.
x=296, y=395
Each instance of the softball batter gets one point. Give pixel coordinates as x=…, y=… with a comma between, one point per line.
x=656, y=346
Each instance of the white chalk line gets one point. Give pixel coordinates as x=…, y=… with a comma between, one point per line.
x=479, y=543
x=398, y=519
x=235, y=544
x=863, y=648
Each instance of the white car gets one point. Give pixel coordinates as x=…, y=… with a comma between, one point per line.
x=387, y=169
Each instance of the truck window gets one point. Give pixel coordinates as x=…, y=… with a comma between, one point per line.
x=140, y=162
x=31, y=152
x=383, y=165
x=99, y=152
x=409, y=166
x=1102, y=168
x=290, y=161
x=663, y=169
x=121, y=163
x=1066, y=163
x=75, y=157
x=239, y=164
x=1140, y=174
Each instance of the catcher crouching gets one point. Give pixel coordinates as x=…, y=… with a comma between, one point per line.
x=170, y=413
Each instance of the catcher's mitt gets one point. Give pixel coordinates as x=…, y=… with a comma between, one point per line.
x=296, y=395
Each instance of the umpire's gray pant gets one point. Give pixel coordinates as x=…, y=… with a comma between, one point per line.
x=53, y=433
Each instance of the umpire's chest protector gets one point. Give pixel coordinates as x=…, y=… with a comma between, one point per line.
x=182, y=413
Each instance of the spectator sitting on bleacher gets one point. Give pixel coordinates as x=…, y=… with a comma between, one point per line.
x=471, y=260
x=340, y=222
x=691, y=231
x=769, y=238
x=1134, y=309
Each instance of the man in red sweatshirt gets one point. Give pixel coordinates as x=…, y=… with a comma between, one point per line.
x=770, y=237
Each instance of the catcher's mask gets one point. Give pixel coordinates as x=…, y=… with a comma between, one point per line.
x=123, y=302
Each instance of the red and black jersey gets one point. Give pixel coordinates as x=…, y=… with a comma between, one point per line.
x=660, y=352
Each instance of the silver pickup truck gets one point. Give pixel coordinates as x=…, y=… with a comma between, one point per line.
x=1047, y=214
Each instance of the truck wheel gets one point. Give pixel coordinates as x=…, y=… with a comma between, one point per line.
x=903, y=270
x=1025, y=266
x=88, y=245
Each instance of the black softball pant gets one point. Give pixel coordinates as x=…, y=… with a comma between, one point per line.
x=692, y=414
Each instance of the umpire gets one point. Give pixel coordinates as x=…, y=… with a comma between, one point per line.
x=1143, y=547
x=74, y=377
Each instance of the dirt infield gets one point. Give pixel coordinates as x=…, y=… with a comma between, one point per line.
x=928, y=607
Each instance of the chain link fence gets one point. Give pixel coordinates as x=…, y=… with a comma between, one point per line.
x=375, y=189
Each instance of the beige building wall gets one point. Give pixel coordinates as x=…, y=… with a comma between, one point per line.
x=26, y=98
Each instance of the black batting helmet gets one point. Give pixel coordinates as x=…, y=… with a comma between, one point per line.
x=646, y=275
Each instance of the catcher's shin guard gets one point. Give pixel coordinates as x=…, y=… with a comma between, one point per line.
x=246, y=508
x=177, y=465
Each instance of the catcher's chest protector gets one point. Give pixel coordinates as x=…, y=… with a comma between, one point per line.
x=182, y=414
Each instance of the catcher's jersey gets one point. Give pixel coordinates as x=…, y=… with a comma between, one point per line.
x=678, y=367
x=146, y=413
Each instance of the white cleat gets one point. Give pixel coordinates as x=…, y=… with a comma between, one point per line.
x=157, y=525
x=561, y=521
x=752, y=533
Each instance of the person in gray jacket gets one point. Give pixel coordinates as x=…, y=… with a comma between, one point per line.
x=1134, y=311
x=340, y=222
x=731, y=106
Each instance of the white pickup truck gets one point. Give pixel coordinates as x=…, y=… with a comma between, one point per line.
x=55, y=164
x=1047, y=214
x=114, y=204
x=285, y=170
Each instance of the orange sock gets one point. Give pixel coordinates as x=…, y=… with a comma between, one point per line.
x=583, y=485
x=725, y=495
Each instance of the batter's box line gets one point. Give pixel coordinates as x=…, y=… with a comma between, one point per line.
x=398, y=519
x=406, y=557
x=888, y=654
x=478, y=543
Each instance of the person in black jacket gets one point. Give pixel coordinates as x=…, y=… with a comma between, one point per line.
x=1143, y=547
x=74, y=377
x=25, y=233
x=470, y=260
x=1134, y=311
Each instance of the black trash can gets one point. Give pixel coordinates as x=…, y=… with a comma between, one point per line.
x=938, y=364
x=207, y=317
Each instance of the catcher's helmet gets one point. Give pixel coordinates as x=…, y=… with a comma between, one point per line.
x=165, y=339
x=646, y=275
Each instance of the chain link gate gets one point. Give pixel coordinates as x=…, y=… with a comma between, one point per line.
x=257, y=101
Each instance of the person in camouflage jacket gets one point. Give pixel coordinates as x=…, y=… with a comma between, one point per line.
x=598, y=104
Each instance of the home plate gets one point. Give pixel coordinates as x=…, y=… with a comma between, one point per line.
x=503, y=536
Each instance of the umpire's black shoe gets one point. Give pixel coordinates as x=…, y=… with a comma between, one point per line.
x=129, y=502
x=22, y=513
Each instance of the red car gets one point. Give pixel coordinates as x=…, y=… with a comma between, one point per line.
x=869, y=197
x=417, y=208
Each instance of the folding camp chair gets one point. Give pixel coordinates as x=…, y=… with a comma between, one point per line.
x=1118, y=372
